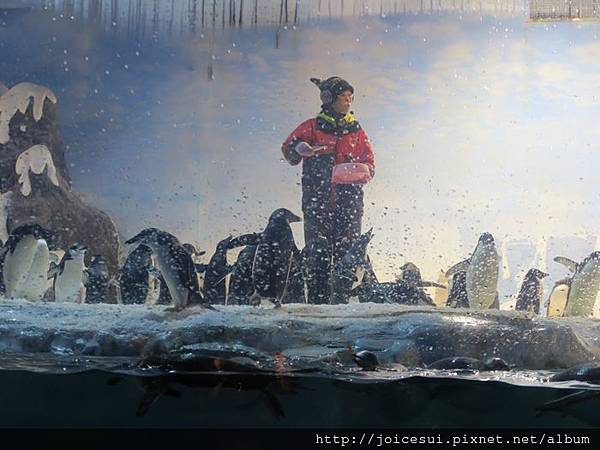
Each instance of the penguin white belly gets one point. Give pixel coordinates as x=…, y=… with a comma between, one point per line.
x=558, y=300
x=178, y=292
x=69, y=286
x=35, y=284
x=440, y=296
x=583, y=292
x=17, y=265
x=482, y=277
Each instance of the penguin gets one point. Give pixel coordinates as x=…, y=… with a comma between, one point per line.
x=273, y=257
x=69, y=278
x=440, y=297
x=344, y=273
x=96, y=286
x=410, y=285
x=316, y=266
x=175, y=264
x=216, y=273
x=588, y=372
x=482, y=270
x=531, y=292
x=366, y=360
x=26, y=260
x=585, y=284
x=557, y=300
x=458, y=291
x=466, y=363
x=134, y=276
x=241, y=286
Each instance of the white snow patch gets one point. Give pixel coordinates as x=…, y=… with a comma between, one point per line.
x=17, y=99
x=36, y=159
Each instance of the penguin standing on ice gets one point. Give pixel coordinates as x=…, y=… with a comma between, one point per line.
x=215, y=274
x=135, y=275
x=69, y=276
x=273, y=257
x=175, y=264
x=96, y=286
x=531, y=292
x=26, y=260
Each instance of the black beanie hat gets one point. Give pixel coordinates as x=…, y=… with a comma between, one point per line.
x=331, y=88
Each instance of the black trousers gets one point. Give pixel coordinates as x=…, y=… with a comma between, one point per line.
x=332, y=221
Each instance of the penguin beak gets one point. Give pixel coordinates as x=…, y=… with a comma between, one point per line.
x=294, y=218
x=133, y=240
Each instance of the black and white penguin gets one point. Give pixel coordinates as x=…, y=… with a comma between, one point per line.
x=466, y=363
x=175, y=264
x=134, y=276
x=26, y=261
x=96, y=285
x=584, y=285
x=458, y=291
x=215, y=274
x=482, y=270
x=241, y=286
x=273, y=257
x=69, y=277
x=345, y=272
x=531, y=292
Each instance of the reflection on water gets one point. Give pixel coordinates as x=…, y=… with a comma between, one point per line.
x=126, y=397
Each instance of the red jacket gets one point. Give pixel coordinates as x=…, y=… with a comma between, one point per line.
x=348, y=146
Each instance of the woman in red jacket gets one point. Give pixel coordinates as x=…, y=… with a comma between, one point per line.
x=332, y=212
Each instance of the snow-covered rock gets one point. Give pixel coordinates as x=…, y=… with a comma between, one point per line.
x=34, y=175
x=310, y=334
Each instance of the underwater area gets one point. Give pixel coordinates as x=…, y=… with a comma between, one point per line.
x=123, y=116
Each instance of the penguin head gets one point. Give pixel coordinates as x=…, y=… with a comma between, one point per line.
x=410, y=273
x=224, y=244
x=486, y=238
x=365, y=359
x=75, y=251
x=284, y=214
x=495, y=364
x=147, y=236
x=31, y=229
x=536, y=273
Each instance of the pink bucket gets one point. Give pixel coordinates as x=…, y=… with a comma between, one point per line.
x=351, y=173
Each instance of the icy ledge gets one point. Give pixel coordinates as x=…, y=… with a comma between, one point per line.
x=412, y=336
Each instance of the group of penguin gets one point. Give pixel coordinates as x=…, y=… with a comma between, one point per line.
x=161, y=270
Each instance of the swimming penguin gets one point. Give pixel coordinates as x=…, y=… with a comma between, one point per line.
x=481, y=274
x=175, y=265
x=96, y=286
x=273, y=257
x=134, y=276
x=69, y=278
x=216, y=273
x=585, y=284
x=458, y=291
x=466, y=363
x=26, y=261
x=557, y=300
x=531, y=292
x=588, y=372
x=366, y=360
x=241, y=286
x=344, y=273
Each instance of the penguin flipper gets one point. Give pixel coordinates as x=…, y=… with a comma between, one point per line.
x=244, y=239
x=54, y=269
x=567, y=262
x=459, y=267
x=432, y=284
